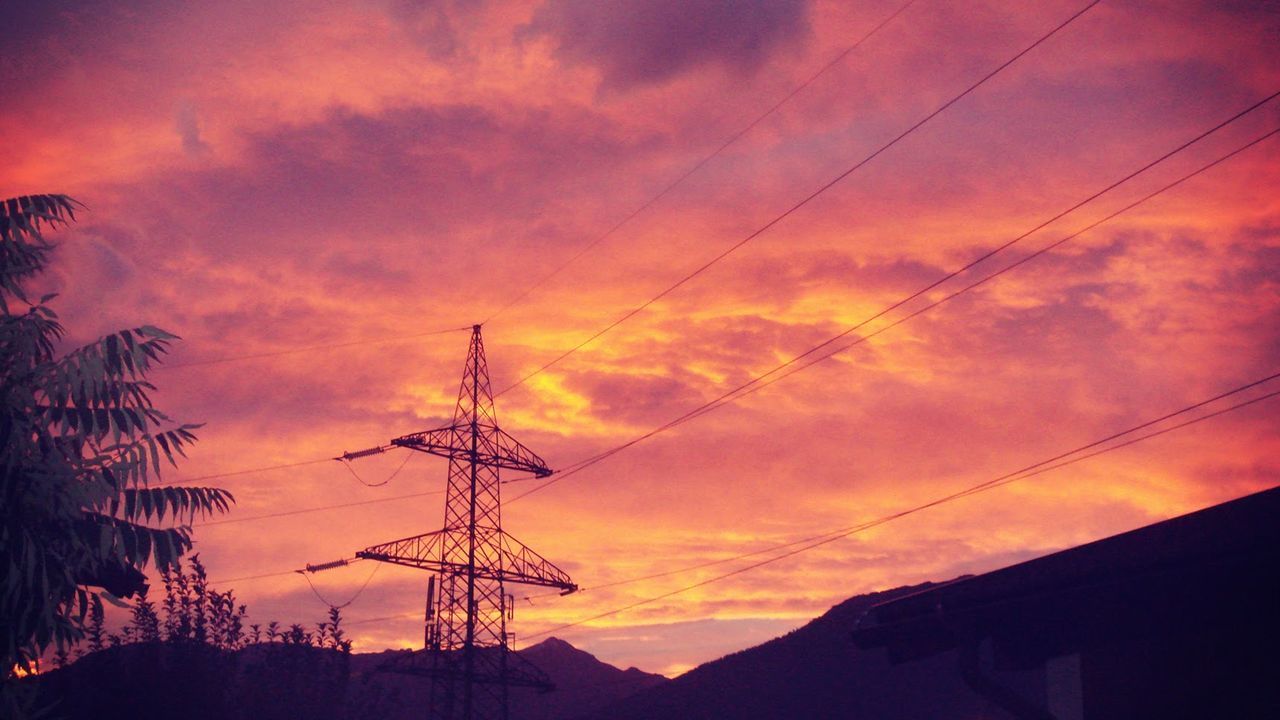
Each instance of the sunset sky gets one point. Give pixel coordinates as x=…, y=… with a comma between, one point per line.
x=272, y=175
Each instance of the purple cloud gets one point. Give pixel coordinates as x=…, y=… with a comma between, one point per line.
x=649, y=43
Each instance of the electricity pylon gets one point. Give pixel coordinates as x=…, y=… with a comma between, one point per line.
x=467, y=650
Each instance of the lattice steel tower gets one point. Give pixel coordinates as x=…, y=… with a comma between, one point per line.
x=467, y=651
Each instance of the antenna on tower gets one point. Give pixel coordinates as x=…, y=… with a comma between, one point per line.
x=467, y=653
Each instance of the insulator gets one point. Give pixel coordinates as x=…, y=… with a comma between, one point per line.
x=326, y=566
x=431, y=598
x=361, y=453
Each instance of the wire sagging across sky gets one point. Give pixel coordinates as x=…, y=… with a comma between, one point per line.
x=572, y=469
x=1114, y=441
x=666, y=190
x=804, y=201
x=790, y=366
x=703, y=162
x=310, y=348
x=1070, y=457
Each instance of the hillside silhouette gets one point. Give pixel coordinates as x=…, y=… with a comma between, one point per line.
x=813, y=672
x=1119, y=627
x=267, y=681
x=583, y=683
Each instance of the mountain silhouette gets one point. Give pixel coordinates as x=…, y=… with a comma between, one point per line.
x=583, y=684
x=813, y=672
x=272, y=680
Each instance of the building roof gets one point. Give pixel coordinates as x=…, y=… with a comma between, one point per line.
x=1186, y=572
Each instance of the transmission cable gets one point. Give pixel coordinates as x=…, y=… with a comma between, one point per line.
x=1056, y=462
x=1028, y=471
x=284, y=466
x=307, y=568
x=701, y=163
x=726, y=397
x=984, y=280
x=766, y=379
x=809, y=198
x=247, y=471
x=1053, y=463
x=322, y=508
x=1034, y=467
x=741, y=391
x=307, y=348
x=591, y=245
x=862, y=527
x=749, y=237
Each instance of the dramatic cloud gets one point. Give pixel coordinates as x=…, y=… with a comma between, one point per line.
x=652, y=42
x=306, y=194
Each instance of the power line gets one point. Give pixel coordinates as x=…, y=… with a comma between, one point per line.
x=1002, y=480
x=918, y=124
x=752, y=553
x=322, y=508
x=248, y=471
x=809, y=198
x=1010, y=267
x=768, y=378
x=1053, y=463
x=307, y=348
x=826, y=538
x=973, y=490
x=1078, y=454
x=384, y=618
x=308, y=568
x=701, y=163
x=617, y=226
x=246, y=578
x=283, y=466
x=1167, y=187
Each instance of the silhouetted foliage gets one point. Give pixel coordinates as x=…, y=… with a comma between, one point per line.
x=332, y=630
x=93, y=632
x=80, y=443
x=145, y=625
x=195, y=613
x=192, y=658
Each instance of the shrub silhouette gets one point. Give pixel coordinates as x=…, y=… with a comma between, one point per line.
x=192, y=658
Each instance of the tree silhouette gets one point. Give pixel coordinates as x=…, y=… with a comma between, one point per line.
x=189, y=658
x=80, y=446
x=145, y=625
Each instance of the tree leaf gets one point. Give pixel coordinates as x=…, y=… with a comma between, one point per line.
x=114, y=600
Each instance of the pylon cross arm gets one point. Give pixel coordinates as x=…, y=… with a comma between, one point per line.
x=516, y=562
x=411, y=551
x=494, y=447
x=532, y=567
